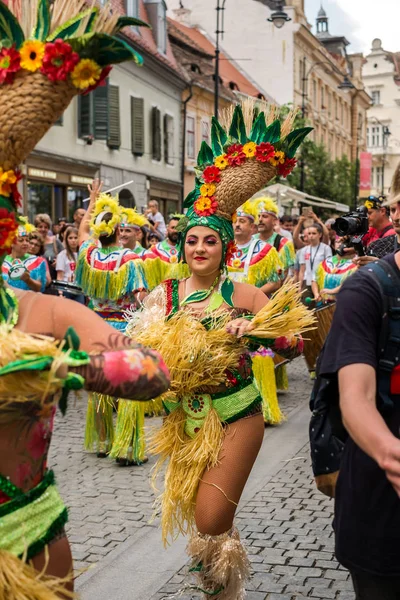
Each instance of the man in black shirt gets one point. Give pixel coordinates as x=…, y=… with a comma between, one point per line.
x=367, y=503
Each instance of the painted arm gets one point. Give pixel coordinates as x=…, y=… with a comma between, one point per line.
x=84, y=227
x=357, y=388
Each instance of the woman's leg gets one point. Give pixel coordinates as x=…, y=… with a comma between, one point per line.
x=57, y=559
x=219, y=559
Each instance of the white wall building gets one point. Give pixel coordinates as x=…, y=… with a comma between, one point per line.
x=128, y=130
x=381, y=76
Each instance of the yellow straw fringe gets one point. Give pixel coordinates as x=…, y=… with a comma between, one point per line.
x=187, y=459
x=281, y=376
x=264, y=376
x=129, y=439
x=20, y=581
x=35, y=386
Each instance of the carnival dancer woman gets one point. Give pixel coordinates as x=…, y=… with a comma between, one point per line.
x=40, y=76
x=21, y=269
x=112, y=277
x=214, y=428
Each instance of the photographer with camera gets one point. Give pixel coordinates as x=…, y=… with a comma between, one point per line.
x=379, y=240
x=362, y=354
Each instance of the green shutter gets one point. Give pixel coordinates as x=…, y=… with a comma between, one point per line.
x=85, y=116
x=114, y=127
x=166, y=155
x=100, y=109
x=137, y=125
x=156, y=133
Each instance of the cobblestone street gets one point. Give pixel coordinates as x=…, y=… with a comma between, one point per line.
x=285, y=522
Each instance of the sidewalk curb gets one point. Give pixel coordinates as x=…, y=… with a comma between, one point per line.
x=141, y=566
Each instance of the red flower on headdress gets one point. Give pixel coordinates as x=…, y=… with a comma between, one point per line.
x=59, y=60
x=264, y=152
x=287, y=167
x=211, y=175
x=235, y=155
x=205, y=206
x=231, y=250
x=101, y=82
x=8, y=229
x=10, y=63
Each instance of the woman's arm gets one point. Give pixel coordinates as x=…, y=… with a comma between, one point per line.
x=298, y=242
x=325, y=230
x=119, y=367
x=84, y=227
x=33, y=284
x=315, y=290
x=60, y=275
x=302, y=272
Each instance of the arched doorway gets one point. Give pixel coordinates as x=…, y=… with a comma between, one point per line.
x=126, y=199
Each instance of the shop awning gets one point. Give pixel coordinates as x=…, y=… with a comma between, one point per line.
x=290, y=197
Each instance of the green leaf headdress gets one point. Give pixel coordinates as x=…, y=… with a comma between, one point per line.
x=239, y=162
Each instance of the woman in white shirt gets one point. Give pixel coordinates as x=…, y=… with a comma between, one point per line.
x=311, y=256
x=66, y=263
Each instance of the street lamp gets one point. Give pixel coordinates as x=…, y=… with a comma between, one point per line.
x=279, y=17
x=385, y=136
x=220, y=31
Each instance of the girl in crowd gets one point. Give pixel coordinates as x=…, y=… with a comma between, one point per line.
x=66, y=263
x=311, y=256
x=52, y=246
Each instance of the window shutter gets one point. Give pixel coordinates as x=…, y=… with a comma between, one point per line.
x=100, y=108
x=137, y=124
x=166, y=144
x=156, y=133
x=114, y=128
x=85, y=116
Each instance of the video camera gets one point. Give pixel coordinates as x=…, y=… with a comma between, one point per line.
x=354, y=225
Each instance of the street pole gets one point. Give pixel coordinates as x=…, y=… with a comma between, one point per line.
x=219, y=31
x=303, y=114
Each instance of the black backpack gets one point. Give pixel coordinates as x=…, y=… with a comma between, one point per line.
x=327, y=433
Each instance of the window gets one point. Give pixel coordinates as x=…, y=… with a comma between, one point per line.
x=314, y=85
x=137, y=126
x=93, y=114
x=190, y=137
x=169, y=139
x=329, y=104
x=301, y=74
x=156, y=133
x=205, y=131
x=376, y=96
x=323, y=98
x=162, y=27
x=132, y=8
x=114, y=127
x=375, y=136
x=342, y=113
x=336, y=103
x=377, y=178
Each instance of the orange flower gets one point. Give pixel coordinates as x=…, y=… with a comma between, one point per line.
x=149, y=367
x=204, y=206
x=208, y=189
x=277, y=159
x=221, y=162
x=249, y=149
x=7, y=180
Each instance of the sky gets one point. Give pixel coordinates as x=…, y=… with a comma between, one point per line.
x=360, y=21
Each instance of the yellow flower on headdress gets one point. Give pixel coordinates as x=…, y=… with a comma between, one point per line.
x=248, y=209
x=221, y=162
x=7, y=179
x=105, y=205
x=32, y=54
x=131, y=218
x=266, y=205
x=277, y=159
x=368, y=204
x=24, y=227
x=208, y=189
x=86, y=74
x=249, y=149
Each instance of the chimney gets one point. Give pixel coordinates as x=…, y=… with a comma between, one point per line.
x=183, y=15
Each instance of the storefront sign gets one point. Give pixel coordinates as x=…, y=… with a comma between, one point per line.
x=81, y=180
x=365, y=173
x=42, y=174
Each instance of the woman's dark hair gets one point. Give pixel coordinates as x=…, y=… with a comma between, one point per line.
x=108, y=240
x=318, y=227
x=145, y=241
x=70, y=252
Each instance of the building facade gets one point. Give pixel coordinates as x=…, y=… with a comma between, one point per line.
x=296, y=66
x=381, y=76
x=127, y=132
x=195, y=54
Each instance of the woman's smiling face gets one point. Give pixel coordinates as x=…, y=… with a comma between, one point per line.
x=203, y=250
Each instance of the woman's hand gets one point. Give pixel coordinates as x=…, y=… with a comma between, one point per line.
x=239, y=327
x=95, y=189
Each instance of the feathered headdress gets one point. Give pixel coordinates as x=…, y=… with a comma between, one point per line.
x=266, y=205
x=239, y=162
x=131, y=218
x=249, y=210
x=102, y=223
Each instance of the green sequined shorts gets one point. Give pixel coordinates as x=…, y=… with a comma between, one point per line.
x=30, y=521
x=234, y=404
